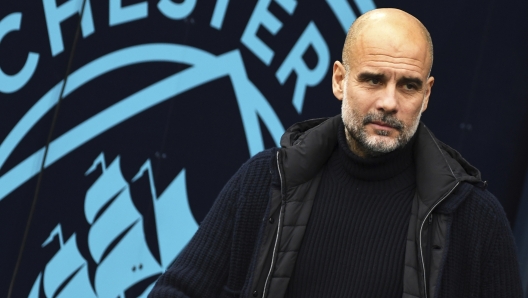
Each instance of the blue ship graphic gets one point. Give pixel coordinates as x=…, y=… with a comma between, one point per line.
x=109, y=210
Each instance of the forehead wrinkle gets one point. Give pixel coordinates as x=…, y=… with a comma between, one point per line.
x=381, y=57
x=374, y=67
x=363, y=49
x=394, y=63
x=401, y=48
x=396, y=57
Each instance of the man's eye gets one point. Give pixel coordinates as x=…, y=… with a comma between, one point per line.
x=409, y=86
x=374, y=81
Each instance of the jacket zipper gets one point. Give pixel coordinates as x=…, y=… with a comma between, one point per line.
x=429, y=243
x=278, y=233
x=421, y=230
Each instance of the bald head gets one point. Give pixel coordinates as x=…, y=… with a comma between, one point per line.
x=387, y=25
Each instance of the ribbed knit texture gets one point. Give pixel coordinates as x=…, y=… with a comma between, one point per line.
x=480, y=258
x=354, y=244
x=216, y=260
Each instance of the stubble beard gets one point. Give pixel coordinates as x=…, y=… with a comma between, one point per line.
x=363, y=144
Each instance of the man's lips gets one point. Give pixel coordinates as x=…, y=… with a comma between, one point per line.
x=381, y=125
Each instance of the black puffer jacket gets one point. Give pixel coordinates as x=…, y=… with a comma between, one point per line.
x=459, y=243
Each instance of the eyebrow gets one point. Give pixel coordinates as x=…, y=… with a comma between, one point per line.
x=408, y=80
x=366, y=76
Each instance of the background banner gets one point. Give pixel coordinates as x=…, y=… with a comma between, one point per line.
x=119, y=128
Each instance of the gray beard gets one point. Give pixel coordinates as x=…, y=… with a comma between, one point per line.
x=359, y=140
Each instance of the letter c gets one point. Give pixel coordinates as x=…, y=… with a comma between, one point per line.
x=13, y=83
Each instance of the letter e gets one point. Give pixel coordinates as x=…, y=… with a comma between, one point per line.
x=260, y=15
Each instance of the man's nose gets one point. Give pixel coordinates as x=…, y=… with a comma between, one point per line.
x=387, y=100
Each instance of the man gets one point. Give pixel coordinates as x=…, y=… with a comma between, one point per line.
x=367, y=204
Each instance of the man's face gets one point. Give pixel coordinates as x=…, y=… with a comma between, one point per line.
x=384, y=92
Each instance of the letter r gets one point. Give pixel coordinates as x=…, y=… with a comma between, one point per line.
x=294, y=62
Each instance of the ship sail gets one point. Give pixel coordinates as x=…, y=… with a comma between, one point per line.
x=79, y=286
x=118, y=217
x=175, y=223
x=112, y=214
x=67, y=262
x=131, y=259
x=109, y=184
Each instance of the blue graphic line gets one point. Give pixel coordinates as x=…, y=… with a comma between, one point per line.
x=252, y=104
x=118, y=59
x=219, y=14
x=365, y=5
x=344, y=13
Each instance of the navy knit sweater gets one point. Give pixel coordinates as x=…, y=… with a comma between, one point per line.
x=354, y=244
x=480, y=259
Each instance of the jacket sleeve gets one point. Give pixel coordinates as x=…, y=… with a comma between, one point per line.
x=201, y=268
x=501, y=277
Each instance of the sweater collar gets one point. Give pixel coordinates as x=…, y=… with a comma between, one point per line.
x=306, y=147
x=374, y=168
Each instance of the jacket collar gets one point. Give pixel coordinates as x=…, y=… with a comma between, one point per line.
x=307, y=145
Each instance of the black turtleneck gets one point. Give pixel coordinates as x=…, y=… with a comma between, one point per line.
x=354, y=244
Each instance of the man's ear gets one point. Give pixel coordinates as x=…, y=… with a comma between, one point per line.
x=429, y=85
x=338, y=79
